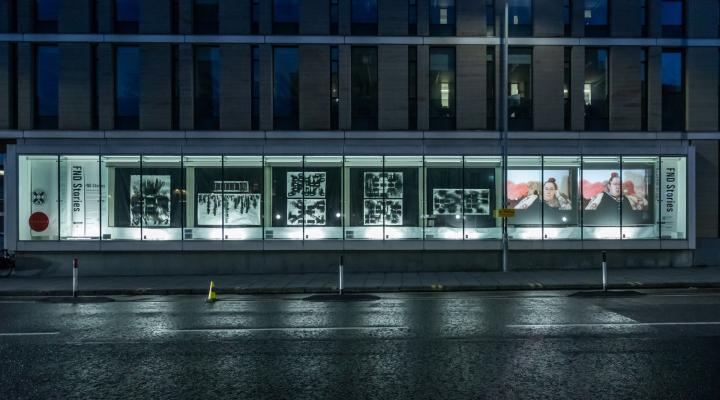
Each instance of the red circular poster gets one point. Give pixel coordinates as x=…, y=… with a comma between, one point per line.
x=39, y=221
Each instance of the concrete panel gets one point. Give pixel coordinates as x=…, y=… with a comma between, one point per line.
x=701, y=88
x=106, y=16
x=548, y=83
x=654, y=20
x=155, y=86
x=392, y=17
x=75, y=86
x=471, y=87
x=470, y=18
x=702, y=19
x=106, y=86
x=548, y=18
x=266, y=12
x=423, y=89
x=155, y=17
x=577, y=81
x=625, y=88
x=6, y=82
x=5, y=17
x=345, y=71
x=314, y=87
x=185, y=24
x=624, y=18
x=26, y=86
x=577, y=20
x=266, y=87
x=236, y=81
x=187, y=99
x=392, y=87
x=315, y=17
x=706, y=201
x=11, y=202
x=25, y=16
x=344, y=19
x=423, y=17
x=235, y=17
x=74, y=16
x=654, y=81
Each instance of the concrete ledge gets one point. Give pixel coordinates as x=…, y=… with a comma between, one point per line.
x=202, y=245
x=545, y=245
x=493, y=135
x=617, y=136
x=243, y=245
x=540, y=135
x=674, y=244
x=145, y=134
x=463, y=244
x=149, y=245
x=330, y=244
x=621, y=245
x=305, y=135
x=380, y=245
x=305, y=39
x=225, y=134
x=66, y=245
x=383, y=135
x=282, y=245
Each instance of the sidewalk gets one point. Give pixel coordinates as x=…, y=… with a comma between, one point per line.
x=367, y=282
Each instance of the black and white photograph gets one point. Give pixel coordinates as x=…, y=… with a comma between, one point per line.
x=313, y=212
x=238, y=209
x=383, y=185
x=310, y=185
x=232, y=186
x=150, y=200
x=457, y=201
x=377, y=210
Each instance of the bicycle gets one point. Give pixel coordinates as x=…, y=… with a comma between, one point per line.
x=7, y=263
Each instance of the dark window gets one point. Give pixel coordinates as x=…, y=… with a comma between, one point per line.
x=643, y=90
x=364, y=90
x=334, y=88
x=255, y=12
x=567, y=15
x=442, y=88
x=286, y=17
x=127, y=87
x=596, y=18
x=673, y=98
x=13, y=85
x=205, y=17
x=176, y=16
x=490, y=17
x=364, y=17
x=412, y=17
x=12, y=15
x=127, y=16
x=256, y=88
x=519, y=89
x=94, y=26
x=643, y=18
x=566, y=88
x=286, y=89
x=520, y=17
x=95, y=88
x=596, y=89
x=334, y=17
x=412, y=88
x=175, y=87
x=46, y=87
x=46, y=16
x=490, y=88
x=442, y=17
x=672, y=19
x=207, y=88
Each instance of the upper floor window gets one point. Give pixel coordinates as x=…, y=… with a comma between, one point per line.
x=643, y=18
x=334, y=88
x=286, y=17
x=46, y=87
x=364, y=17
x=127, y=16
x=673, y=91
x=442, y=88
x=207, y=88
x=412, y=17
x=46, y=16
x=334, y=17
x=127, y=87
x=255, y=11
x=567, y=17
x=596, y=18
x=519, y=89
x=286, y=88
x=520, y=17
x=442, y=17
x=364, y=91
x=672, y=19
x=596, y=89
x=490, y=17
x=255, y=124
x=206, y=17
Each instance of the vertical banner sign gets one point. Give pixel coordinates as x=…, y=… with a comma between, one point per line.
x=44, y=198
x=669, y=192
x=84, y=198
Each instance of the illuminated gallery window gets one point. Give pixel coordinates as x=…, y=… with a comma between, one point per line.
x=351, y=197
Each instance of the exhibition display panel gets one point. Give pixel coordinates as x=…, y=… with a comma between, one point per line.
x=67, y=197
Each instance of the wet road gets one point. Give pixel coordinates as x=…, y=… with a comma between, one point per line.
x=403, y=346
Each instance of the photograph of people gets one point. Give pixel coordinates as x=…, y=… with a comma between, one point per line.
x=525, y=189
x=610, y=199
x=552, y=196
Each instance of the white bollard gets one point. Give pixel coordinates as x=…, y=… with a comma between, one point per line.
x=75, y=276
x=341, y=274
x=604, y=273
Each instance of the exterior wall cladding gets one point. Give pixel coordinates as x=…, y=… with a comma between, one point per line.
x=406, y=122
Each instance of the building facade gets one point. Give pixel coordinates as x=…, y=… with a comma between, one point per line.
x=223, y=136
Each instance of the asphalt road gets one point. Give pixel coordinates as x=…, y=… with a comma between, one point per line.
x=403, y=346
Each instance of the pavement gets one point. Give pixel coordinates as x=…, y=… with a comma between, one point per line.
x=372, y=282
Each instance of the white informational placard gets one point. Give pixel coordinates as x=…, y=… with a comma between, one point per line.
x=83, y=196
x=669, y=191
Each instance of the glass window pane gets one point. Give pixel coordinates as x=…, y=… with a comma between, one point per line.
x=127, y=11
x=442, y=88
x=364, y=193
x=207, y=87
x=286, y=86
x=205, y=207
x=47, y=81
x=322, y=190
x=364, y=12
x=524, y=188
x=286, y=11
x=672, y=12
x=520, y=12
x=673, y=198
x=402, y=196
x=121, y=208
x=160, y=186
x=520, y=89
x=127, y=81
x=561, y=195
x=640, y=213
x=364, y=88
x=38, y=216
x=47, y=10
x=673, y=100
x=79, y=197
x=596, y=12
x=445, y=198
x=243, y=198
x=596, y=89
x=479, y=175
x=601, y=197
x=284, y=197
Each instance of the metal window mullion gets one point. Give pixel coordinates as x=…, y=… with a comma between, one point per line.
x=621, y=198
x=59, y=211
